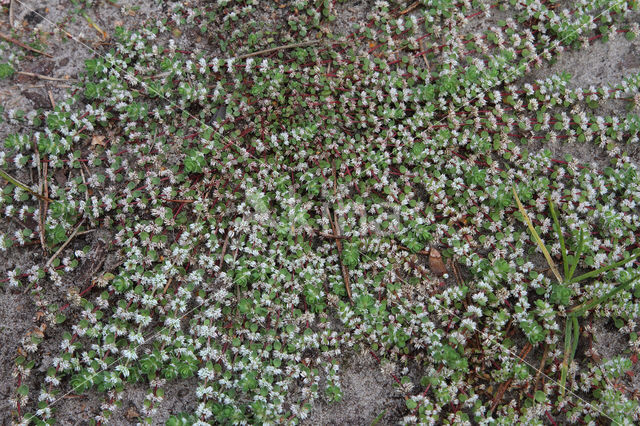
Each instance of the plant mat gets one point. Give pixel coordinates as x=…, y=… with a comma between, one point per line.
x=369, y=179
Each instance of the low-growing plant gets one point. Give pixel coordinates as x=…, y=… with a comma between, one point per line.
x=249, y=218
x=561, y=293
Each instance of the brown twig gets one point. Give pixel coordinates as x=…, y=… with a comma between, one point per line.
x=410, y=8
x=224, y=249
x=41, y=202
x=39, y=86
x=11, y=22
x=24, y=46
x=89, y=174
x=343, y=268
x=503, y=388
x=275, y=49
x=66, y=243
x=333, y=218
x=84, y=181
x=499, y=394
x=335, y=179
x=424, y=56
x=544, y=358
x=322, y=234
x=166, y=287
x=45, y=169
x=179, y=201
x=44, y=77
x=53, y=102
x=456, y=273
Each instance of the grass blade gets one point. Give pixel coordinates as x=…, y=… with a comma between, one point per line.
x=580, y=309
x=378, y=418
x=537, y=237
x=565, y=361
x=604, y=269
x=21, y=185
x=576, y=336
x=563, y=247
x=576, y=257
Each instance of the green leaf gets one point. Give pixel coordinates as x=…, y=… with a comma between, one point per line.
x=6, y=70
x=23, y=390
x=57, y=235
x=351, y=255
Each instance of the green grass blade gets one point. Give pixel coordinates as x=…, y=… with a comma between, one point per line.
x=563, y=247
x=576, y=258
x=580, y=310
x=539, y=241
x=576, y=336
x=565, y=361
x=378, y=418
x=604, y=269
x=19, y=184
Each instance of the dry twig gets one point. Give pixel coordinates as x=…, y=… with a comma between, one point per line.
x=39, y=86
x=275, y=49
x=173, y=200
x=44, y=77
x=42, y=203
x=84, y=181
x=66, y=243
x=166, y=287
x=24, y=46
x=53, y=102
x=544, y=358
x=410, y=8
x=322, y=234
x=11, y=21
x=424, y=56
x=503, y=388
x=224, y=250
x=343, y=268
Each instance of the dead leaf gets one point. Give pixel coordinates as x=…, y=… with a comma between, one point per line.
x=39, y=315
x=98, y=140
x=436, y=264
x=61, y=177
x=131, y=413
